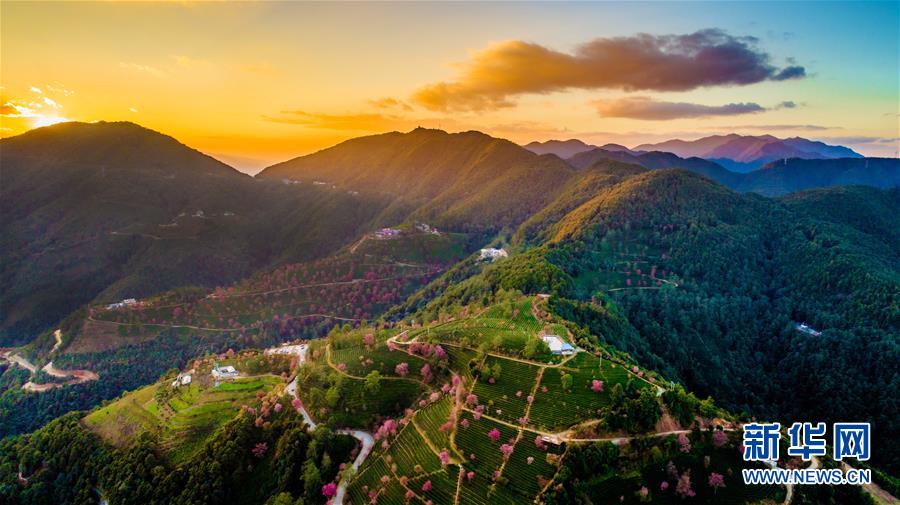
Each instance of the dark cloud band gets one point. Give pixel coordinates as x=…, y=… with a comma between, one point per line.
x=638, y=63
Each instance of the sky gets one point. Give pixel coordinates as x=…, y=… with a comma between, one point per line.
x=257, y=83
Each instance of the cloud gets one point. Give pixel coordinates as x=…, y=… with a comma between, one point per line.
x=773, y=127
x=787, y=73
x=863, y=140
x=389, y=103
x=498, y=73
x=354, y=122
x=35, y=89
x=147, y=69
x=12, y=108
x=52, y=103
x=643, y=107
x=788, y=104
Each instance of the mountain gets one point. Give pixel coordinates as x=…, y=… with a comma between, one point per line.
x=114, y=210
x=562, y=148
x=662, y=280
x=773, y=179
x=460, y=181
x=656, y=160
x=787, y=176
x=614, y=147
x=743, y=153
x=453, y=419
x=708, y=285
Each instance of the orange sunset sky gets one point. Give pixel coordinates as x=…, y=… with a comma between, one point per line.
x=258, y=83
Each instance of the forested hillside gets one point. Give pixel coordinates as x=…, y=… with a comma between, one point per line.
x=113, y=210
x=465, y=181
x=708, y=285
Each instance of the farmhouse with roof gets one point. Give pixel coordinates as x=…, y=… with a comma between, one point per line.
x=224, y=372
x=557, y=345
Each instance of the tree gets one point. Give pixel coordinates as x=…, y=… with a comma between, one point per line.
x=684, y=444
x=719, y=438
x=373, y=382
x=683, y=489
x=716, y=480
x=566, y=381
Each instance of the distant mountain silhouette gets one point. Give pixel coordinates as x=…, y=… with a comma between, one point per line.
x=562, y=148
x=744, y=153
x=788, y=176
x=657, y=160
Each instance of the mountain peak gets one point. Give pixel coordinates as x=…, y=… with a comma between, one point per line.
x=743, y=153
x=106, y=145
x=562, y=148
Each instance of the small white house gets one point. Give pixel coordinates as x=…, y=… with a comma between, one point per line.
x=805, y=328
x=558, y=345
x=491, y=254
x=121, y=305
x=426, y=228
x=225, y=372
x=387, y=233
x=181, y=380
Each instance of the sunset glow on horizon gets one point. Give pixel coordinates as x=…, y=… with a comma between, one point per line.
x=258, y=83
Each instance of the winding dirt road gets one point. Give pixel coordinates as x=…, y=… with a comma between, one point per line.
x=364, y=437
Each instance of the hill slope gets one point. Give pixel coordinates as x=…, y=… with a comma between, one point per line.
x=122, y=211
x=780, y=177
x=461, y=180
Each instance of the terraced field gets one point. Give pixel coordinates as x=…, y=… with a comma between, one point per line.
x=556, y=408
x=507, y=397
x=184, y=421
x=432, y=421
x=505, y=328
x=360, y=360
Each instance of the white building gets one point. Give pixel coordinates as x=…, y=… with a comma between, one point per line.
x=491, y=254
x=557, y=345
x=225, y=372
x=181, y=380
x=805, y=328
x=386, y=233
x=120, y=305
x=425, y=228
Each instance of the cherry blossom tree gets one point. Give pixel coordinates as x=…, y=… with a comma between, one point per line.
x=719, y=438
x=426, y=487
x=506, y=450
x=684, y=443
x=259, y=450
x=494, y=434
x=329, y=490
x=402, y=369
x=597, y=386
x=716, y=480
x=683, y=489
